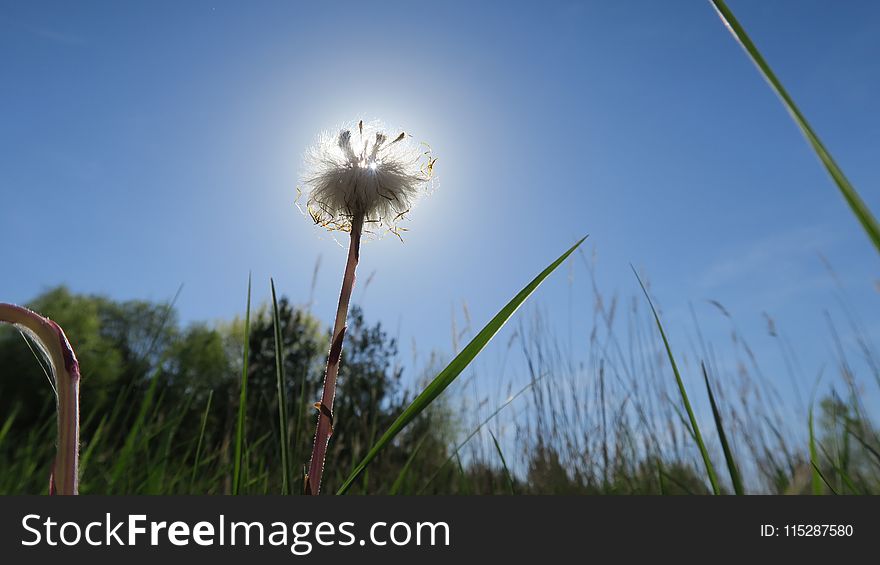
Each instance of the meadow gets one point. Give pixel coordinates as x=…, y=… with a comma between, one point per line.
x=160, y=410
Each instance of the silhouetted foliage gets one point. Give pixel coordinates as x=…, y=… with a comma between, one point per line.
x=160, y=401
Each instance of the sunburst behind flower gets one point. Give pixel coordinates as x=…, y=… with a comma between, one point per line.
x=362, y=171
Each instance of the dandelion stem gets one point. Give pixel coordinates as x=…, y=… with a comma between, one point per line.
x=325, y=408
x=65, y=368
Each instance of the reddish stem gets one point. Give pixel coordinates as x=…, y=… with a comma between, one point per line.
x=65, y=471
x=325, y=408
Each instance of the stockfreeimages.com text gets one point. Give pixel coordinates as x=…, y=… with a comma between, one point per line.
x=300, y=537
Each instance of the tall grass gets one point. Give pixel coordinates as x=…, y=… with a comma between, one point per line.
x=692, y=420
x=242, y=399
x=283, y=437
x=603, y=417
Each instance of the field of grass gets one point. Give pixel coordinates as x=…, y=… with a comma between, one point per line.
x=164, y=411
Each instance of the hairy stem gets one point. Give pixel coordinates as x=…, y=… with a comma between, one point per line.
x=65, y=370
x=325, y=407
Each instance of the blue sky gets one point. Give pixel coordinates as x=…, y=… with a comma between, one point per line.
x=144, y=146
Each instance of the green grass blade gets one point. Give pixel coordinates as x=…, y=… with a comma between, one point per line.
x=366, y=482
x=818, y=473
x=195, y=470
x=663, y=490
x=695, y=428
x=856, y=204
x=282, y=395
x=842, y=473
x=93, y=443
x=507, y=474
x=300, y=416
x=398, y=482
x=865, y=445
x=476, y=430
x=161, y=475
x=166, y=317
x=814, y=458
x=7, y=425
x=125, y=459
x=684, y=422
x=735, y=478
x=464, y=484
x=242, y=399
x=451, y=372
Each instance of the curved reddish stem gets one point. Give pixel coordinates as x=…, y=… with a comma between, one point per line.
x=65, y=368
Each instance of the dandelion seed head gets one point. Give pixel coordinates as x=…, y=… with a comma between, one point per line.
x=360, y=170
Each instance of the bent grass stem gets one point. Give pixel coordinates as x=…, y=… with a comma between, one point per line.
x=64, y=478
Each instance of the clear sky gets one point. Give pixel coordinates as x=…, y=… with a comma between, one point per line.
x=145, y=145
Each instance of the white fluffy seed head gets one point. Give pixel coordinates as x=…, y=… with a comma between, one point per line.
x=361, y=170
